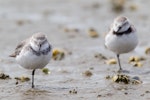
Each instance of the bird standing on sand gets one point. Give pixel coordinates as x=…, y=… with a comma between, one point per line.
x=121, y=38
x=33, y=53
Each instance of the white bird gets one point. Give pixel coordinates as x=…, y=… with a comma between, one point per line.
x=33, y=53
x=122, y=37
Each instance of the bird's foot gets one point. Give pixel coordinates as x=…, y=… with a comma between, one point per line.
x=32, y=86
x=122, y=71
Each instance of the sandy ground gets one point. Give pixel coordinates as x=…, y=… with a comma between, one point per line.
x=19, y=19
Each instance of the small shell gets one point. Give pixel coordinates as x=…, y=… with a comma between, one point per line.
x=136, y=82
x=115, y=78
x=111, y=61
x=93, y=33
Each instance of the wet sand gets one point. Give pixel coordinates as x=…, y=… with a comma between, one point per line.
x=20, y=19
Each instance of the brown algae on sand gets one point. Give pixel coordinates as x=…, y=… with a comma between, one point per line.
x=22, y=79
x=46, y=71
x=70, y=30
x=93, y=33
x=4, y=76
x=122, y=78
x=117, y=5
x=58, y=54
x=35, y=92
x=136, y=59
x=21, y=22
x=137, y=64
x=133, y=7
x=119, y=78
x=100, y=56
x=147, y=50
x=111, y=61
x=87, y=73
x=73, y=91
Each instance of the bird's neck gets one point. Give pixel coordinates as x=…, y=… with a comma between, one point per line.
x=128, y=31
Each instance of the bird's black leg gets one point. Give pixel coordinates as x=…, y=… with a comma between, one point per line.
x=120, y=69
x=33, y=78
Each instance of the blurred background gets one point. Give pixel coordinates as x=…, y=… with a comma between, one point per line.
x=19, y=19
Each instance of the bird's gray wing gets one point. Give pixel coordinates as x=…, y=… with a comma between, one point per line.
x=18, y=48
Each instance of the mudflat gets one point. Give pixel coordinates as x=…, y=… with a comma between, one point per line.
x=69, y=26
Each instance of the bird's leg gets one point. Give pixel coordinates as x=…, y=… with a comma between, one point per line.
x=33, y=78
x=120, y=69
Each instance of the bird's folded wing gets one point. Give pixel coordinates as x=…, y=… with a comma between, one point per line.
x=18, y=48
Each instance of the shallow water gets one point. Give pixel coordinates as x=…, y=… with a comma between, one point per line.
x=20, y=19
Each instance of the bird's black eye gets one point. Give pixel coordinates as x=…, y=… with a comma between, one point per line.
x=40, y=45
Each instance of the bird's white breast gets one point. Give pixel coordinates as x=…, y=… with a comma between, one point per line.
x=29, y=60
x=121, y=44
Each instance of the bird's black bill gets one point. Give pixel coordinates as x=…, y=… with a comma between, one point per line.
x=118, y=29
